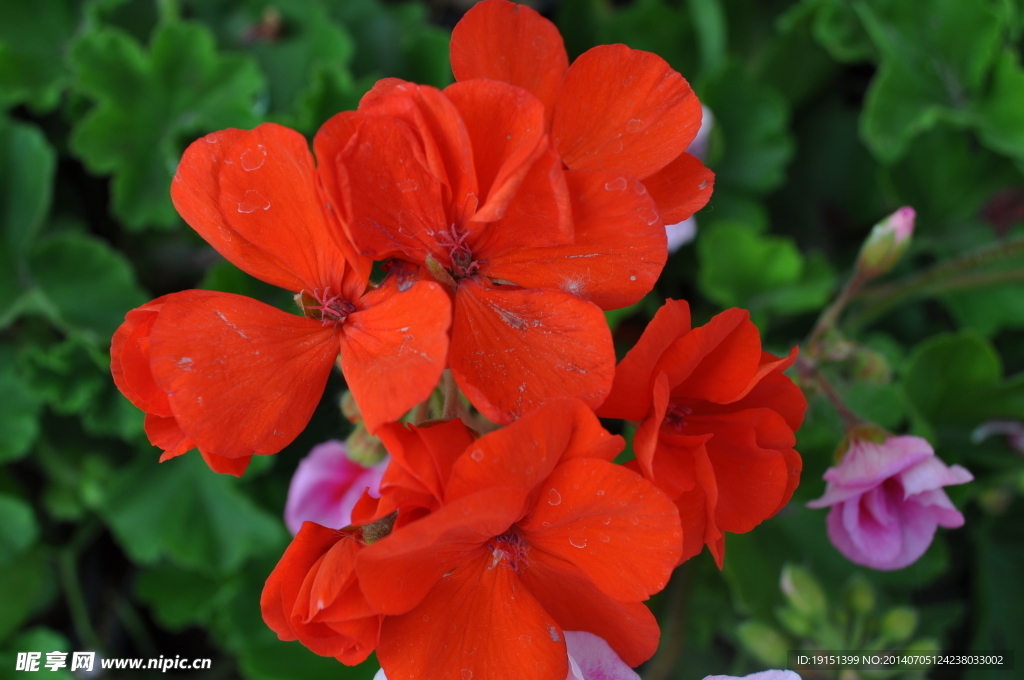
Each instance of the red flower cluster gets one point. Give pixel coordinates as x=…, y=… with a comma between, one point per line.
x=508, y=211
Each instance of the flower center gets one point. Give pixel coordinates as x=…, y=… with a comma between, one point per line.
x=510, y=547
x=329, y=308
x=463, y=265
x=675, y=416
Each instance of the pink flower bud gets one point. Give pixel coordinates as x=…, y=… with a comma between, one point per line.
x=887, y=501
x=326, y=486
x=886, y=243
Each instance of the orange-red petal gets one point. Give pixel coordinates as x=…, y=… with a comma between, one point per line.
x=513, y=350
x=398, y=571
x=512, y=43
x=623, y=109
x=426, y=453
x=569, y=595
x=630, y=397
x=476, y=622
x=394, y=347
x=611, y=523
x=242, y=377
x=681, y=188
x=618, y=251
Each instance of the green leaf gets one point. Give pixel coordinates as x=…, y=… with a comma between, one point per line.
x=149, y=103
x=1001, y=113
x=23, y=584
x=182, y=511
x=26, y=172
x=951, y=378
x=988, y=311
x=19, y=409
x=18, y=528
x=68, y=374
x=181, y=598
x=838, y=29
x=935, y=56
x=89, y=285
x=740, y=267
x=655, y=26
x=33, y=36
x=751, y=124
x=998, y=589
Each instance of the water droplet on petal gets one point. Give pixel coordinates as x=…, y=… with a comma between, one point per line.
x=618, y=184
x=477, y=455
x=252, y=159
x=634, y=520
x=607, y=520
x=648, y=215
x=577, y=542
x=703, y=185
x=254, y=201
x=605, y=538
x=633, y=125
x=640, y=189
x=554, y=498
x=407, y=185
x=600, y=492
x=467, y=674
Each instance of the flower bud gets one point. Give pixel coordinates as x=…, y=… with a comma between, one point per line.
x=350, y=409
x=860, y=596
x=364, y=448
x=766, y=644
x=803, y=591
x=898, y=625
x=886, y=243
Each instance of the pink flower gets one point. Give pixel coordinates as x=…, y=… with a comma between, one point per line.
x=763, y=675
x=590, y=658
x=326, y=486
x=887, y=501
x=886, y=243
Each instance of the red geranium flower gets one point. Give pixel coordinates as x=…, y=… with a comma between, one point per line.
x=615, y=108
x=466, y=184
x=236, y=377
x=717, y=422
x=502, y=543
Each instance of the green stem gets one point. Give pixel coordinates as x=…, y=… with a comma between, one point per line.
x=960, y=273
x=67, y=570
x=663, y=665
x=451, y=396
x=830, y=315
x=809, y=372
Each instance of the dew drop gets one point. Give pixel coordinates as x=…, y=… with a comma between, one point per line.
x=648, y=215
x=253, y=159
x=633, y=125
x=529, y=470
x=211, y=138
x=254, y=201
x=632, y=278
x=634, y=520
x=426, y=617
x=554, y=498
x=407, y=185
x=477, y=455
x=600, y=492
x=618, y=184
x=703, y=185
x=467, y=674
x=577, y=542
x=605, y=538
x=640, y=189
x=607, y=520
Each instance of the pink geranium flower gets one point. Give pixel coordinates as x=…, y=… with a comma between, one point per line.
x=763, y=675
x=887, y=500
x=326, y=486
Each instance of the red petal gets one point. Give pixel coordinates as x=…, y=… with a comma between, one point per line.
x=512, y=350
x=630, y=398
x=773, y=389
x=577, y=604
x=394, y=348
x=398, y=571
x=226, y=465
x=426, y=453
x=511, y=43
x=618, y=251
x=506, y=129
x=681, y=188
x=623, y=109
x=195, y=192
x=714, y=362
x=477, y=622
x=524, y=453
x=540, y=213
x=396, y=201
x=611, y=523
x=129, y=361
x=243, y=378
x=166, y=434
x=268, y=195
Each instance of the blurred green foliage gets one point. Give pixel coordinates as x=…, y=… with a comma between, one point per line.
x=829, y=115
